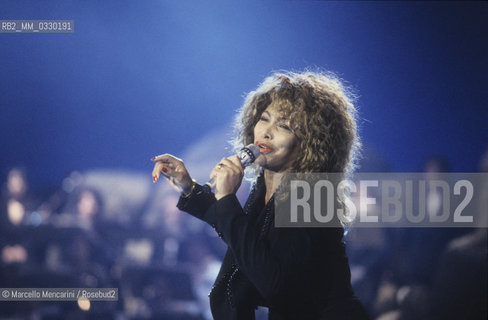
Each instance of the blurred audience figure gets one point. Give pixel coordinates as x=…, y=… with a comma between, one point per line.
x=83, y=209
x=16, y=201
x=434, y=273
x=15, y=206
x=460, y=286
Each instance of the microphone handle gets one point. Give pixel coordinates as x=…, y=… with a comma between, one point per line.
x=207, y=187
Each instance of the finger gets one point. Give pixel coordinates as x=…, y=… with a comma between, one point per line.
x=228, y=167
x=231, y=165
x=155, y=173
x=159, y=168
x=167, y=158
x=162, y=157
x=235, y=160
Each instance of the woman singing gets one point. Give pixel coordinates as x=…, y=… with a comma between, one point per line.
x=301, y=123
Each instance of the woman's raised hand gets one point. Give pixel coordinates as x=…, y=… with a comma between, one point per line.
x=174, y=170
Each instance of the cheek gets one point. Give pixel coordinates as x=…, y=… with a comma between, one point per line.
x=290, y=144
x=292, y=150
x=255, y=133
x=257, y=129
x=262, y=160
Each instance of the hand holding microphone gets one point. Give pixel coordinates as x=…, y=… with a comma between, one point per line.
x=244, y=158
x=227, y=175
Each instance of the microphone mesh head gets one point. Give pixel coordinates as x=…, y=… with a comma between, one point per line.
x=254, y=150
x=248, y=154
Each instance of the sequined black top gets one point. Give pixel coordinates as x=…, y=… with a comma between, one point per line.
x=298, y=273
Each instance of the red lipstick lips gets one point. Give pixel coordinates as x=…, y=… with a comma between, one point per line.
x=264, y=148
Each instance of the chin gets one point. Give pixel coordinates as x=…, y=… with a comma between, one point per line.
x=262, y=161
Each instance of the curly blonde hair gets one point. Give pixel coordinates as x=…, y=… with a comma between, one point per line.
x=322, y=117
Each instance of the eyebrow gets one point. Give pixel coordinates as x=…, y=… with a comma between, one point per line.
x=279, y=119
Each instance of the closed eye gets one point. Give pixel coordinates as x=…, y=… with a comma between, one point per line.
x=286, y=127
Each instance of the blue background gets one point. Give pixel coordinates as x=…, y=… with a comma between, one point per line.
x=141, y=78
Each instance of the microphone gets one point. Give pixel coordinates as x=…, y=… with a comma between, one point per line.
x=247, y=155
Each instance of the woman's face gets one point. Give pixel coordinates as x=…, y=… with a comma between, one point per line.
x=276, y=140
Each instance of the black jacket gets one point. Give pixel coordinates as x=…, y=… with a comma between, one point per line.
x=298, y=273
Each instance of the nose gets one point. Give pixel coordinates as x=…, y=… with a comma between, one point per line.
x=267, y=132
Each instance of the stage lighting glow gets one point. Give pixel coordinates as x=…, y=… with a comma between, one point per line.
x=35, y=218
x=15, y=211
